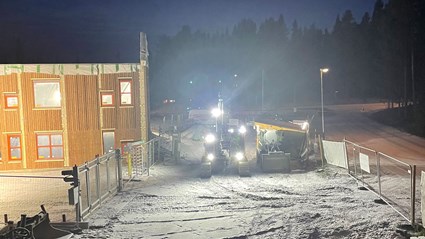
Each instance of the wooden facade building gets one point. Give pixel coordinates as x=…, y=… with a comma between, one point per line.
x=58, y=115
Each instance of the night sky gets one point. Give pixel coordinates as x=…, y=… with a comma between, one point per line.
x=80, y=29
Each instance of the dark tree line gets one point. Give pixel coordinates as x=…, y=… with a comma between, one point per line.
x=380, y=56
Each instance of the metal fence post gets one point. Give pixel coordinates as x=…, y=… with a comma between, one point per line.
x=147, y=155
x=78, y=204
x=88, y=185
x=98, y=179
x=378, y=165
x=159, y=148
x=152, y=151
x=346, y=155
x=413, y=193
x=119, y=168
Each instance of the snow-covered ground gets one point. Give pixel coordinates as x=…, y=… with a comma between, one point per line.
x=173, y=202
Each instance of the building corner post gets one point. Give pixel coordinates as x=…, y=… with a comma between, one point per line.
x=144, y=88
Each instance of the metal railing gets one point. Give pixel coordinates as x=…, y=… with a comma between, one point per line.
x=100, y=179
x=140, y=158
x=392, y=180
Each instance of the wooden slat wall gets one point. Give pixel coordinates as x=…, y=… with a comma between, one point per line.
x=82, y=114
x=124, y=119
x=37, y=120
x=84, y=134
x=9, y=120
x=84, y=145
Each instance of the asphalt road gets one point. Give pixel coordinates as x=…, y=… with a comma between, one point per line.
x=353, y=123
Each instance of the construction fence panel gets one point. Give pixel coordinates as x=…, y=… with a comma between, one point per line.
x=24, y=194
x=394, y=181
x=363, y=165
x=99, y=180
x=335, y=153
x=397, y=179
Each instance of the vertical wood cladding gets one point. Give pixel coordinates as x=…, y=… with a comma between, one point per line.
x=124, y=119
x=84, y=134
x=9, y=119
x=45, y=119
x=82, y=118
x=82, y=102
x=37, y=120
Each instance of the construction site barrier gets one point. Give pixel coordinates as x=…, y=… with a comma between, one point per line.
x=394, y=181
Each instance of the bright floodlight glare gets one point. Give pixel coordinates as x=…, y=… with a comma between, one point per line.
x=210, y=138
x=304, y=126
x=57, y=96
x=231, y=130
x=216, y=112
x=239, y=155
x=242, y=129
x=210, y=157
x=324, y=70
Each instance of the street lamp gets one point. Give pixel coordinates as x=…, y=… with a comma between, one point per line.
x=322, y=71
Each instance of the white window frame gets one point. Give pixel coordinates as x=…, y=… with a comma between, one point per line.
x=122, y=93
x=39, y=103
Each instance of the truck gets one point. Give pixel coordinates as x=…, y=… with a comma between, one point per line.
x=281, y=144
x=224, y=146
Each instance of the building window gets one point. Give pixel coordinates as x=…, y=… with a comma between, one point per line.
x=47, y=94
x=108, y=141
x=14, y=147
x=49, y=146
x=107, y=99
x=11, y=101
x=125, y=91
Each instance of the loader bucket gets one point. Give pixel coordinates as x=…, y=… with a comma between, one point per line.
x=36, y=227
x=46, y=231
x=206, y=170
x=276, y=162
x=244, y=169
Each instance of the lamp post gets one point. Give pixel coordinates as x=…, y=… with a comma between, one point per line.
x=322, y=71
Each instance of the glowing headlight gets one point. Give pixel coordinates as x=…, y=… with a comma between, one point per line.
x=242, y=129
x=216, y=112
x=304, y=126
x=239, y=155
x=210, y=138
x=231, y=130
x=210, y=157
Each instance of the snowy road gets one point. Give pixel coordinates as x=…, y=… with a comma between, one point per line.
x=354, y=124
x=175, y=203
